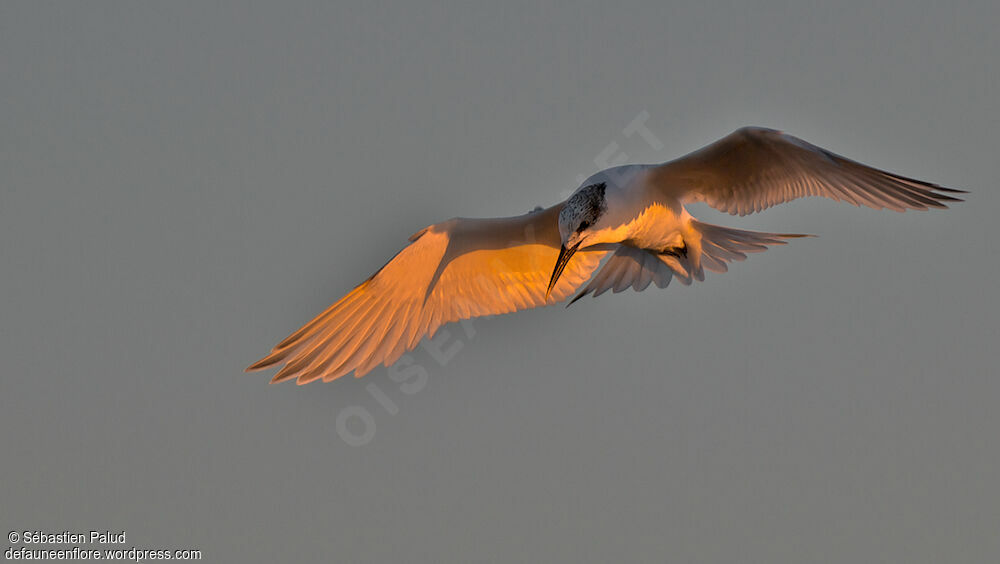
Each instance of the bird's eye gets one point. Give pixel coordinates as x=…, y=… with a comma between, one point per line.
x=583, y=225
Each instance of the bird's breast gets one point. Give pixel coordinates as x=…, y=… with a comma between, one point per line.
x=657, y=227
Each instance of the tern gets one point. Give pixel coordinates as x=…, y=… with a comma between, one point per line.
x=624, y=227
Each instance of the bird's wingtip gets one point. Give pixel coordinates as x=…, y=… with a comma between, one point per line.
x=259, y=365
x=278, y=378
x=953, y=190
x=576, y=298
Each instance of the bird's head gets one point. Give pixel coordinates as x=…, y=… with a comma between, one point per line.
x=579, y=220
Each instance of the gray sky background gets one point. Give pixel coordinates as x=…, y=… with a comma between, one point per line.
x=184, y=183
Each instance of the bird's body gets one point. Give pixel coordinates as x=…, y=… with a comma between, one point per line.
x=637, y=212
x=631, y=217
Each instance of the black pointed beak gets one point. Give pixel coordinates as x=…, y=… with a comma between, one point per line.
x=561, y=262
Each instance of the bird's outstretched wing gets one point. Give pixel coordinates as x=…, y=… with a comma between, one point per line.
x=755, y=168
x=454, y=270
x=629, y=267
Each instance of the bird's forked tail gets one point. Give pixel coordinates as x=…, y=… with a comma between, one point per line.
x=720, y=245
x=706, y=246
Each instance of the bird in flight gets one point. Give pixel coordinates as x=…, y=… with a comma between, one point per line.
x=631, y=218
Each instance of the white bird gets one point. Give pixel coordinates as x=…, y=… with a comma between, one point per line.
x=463, y=268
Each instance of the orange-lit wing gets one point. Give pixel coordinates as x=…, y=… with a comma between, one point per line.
x=454, y=270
